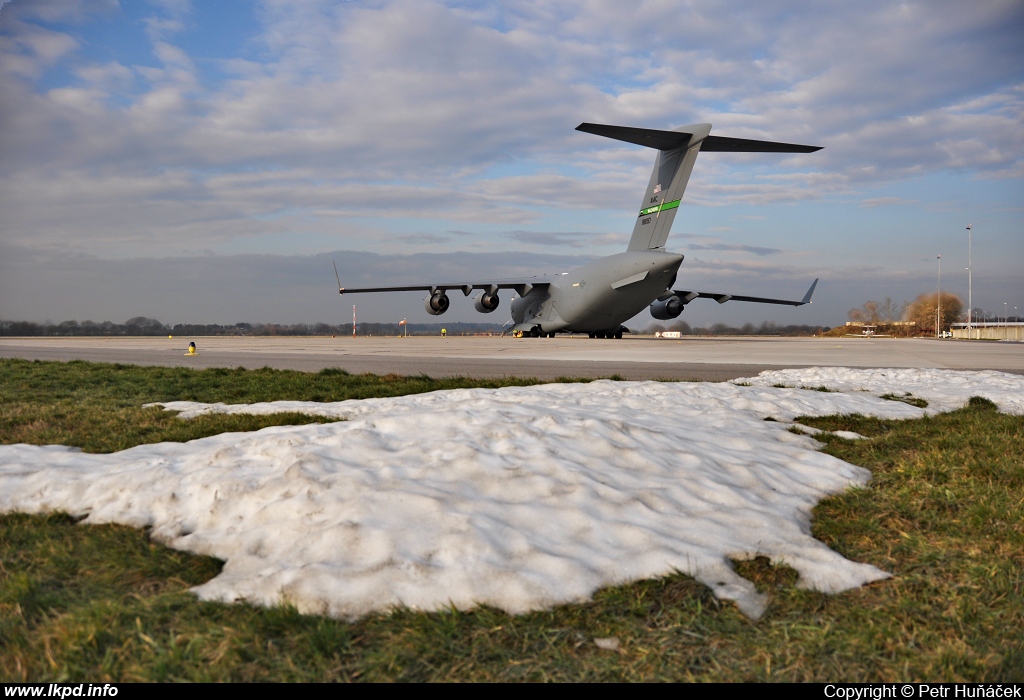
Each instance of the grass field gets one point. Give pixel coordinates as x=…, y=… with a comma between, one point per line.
x=944, y=513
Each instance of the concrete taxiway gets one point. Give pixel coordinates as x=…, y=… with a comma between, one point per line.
x=642, y=357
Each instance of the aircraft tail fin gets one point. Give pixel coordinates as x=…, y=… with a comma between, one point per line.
x=677, y=152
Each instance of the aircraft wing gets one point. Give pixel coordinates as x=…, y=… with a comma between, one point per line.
x=688, y=296
x=522, y=287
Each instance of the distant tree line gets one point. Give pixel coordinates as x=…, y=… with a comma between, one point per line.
x=922, y=311
x=141, y=325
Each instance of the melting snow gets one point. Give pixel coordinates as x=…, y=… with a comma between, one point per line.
x=943, y=389
x=520, y=498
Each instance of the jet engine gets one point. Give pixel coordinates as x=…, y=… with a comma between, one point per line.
x=666, y=309
x=437, y=303
x=485, y=302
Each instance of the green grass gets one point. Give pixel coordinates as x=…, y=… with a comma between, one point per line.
x=907, y=398
x=943, y=513
x=98, y=407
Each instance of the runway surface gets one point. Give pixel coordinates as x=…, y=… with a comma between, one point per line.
x=644, y=357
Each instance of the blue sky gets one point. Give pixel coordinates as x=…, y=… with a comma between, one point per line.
x=205, y=161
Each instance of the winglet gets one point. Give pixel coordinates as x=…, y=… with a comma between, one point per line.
x=807, y=297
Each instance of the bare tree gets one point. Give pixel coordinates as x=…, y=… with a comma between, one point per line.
x=865, y=314
x=890, y=312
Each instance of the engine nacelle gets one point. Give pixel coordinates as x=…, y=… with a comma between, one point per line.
x=485, y=303
x=667, y=309
x=437, y=303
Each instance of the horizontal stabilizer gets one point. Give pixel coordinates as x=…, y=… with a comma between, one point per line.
x=652, y=138
x=725, y=144
x=669, y=140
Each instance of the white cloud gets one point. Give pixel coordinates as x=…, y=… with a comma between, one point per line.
x=571, y=239
x=345, y=118
x=886, y=202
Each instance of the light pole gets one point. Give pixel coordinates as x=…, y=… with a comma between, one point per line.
x=1005, y=319
x=970, y=284
x=938, y=301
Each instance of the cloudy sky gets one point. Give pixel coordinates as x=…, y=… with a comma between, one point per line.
x=205, y=161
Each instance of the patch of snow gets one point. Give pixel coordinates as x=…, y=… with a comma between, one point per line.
x=845, y=434
x=520, y=498
x=944, y=390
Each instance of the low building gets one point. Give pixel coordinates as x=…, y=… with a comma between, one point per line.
x=989, y=330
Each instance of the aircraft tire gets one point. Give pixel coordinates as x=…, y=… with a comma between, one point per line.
x=618, y=334
x=535, y=332
x=592, y=335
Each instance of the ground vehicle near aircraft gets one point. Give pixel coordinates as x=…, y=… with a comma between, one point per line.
x=598, y=297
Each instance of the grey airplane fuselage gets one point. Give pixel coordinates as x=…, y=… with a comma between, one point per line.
x=599, y=296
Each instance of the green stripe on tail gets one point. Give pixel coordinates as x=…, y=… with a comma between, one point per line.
x=660, y=207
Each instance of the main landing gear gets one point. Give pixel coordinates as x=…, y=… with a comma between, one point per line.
x=536, y=332
x=617, y=333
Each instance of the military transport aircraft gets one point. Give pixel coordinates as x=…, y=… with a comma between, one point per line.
x=598, y=297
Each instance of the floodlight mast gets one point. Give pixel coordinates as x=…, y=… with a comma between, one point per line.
x=970, y=285
x=938, y=301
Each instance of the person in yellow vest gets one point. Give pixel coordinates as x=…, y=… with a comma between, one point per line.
x=444, y=332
